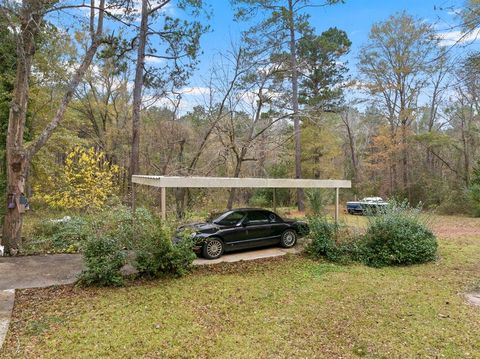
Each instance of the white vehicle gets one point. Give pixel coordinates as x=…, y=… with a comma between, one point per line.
x=367, y=203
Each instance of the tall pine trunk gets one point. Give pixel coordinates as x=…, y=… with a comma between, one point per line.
x=406, y=186
x=296, y=115
x=137, y=94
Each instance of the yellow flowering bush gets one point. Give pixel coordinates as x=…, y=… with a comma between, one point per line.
x=86, y=182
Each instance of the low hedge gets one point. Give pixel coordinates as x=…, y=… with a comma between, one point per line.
x=399, y=235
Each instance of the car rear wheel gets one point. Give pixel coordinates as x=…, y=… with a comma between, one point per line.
x=289, y=238
x=212, y=248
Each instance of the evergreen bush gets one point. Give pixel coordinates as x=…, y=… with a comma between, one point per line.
x=103, y=259
x=399, y=236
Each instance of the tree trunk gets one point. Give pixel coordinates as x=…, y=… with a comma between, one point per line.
x=18, y=157
x=15, y=153
x=236, y=173
x=296, y=115
x=466, y=157
x=351, y=145
x=406, y=186
x=180, y=192
x=137, y=94
x=16, y=176
x=393, y=159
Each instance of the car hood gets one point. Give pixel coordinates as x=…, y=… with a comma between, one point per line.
x=203, y=227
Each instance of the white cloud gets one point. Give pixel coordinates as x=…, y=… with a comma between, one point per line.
x=455, y=37
x=196, y=91
x=153, y=60
x=357, y=85
x=135, y=10
x=454, y=12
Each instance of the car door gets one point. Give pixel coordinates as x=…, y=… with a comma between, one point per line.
x=277, y=226
x=258, y=227
x=231, y=229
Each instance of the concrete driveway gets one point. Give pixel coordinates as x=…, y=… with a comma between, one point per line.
x=55, y=269
x=39, y=271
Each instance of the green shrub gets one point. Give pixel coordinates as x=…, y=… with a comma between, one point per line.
x=457, y=201
x=333, y=241
x=259, y=200
x=398, y=236
x=474, y=199
x=103, y=259
x=323, y=235
x=156, y=255
x=317, y=199
x=118, y=222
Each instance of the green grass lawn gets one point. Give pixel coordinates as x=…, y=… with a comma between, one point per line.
x=290, y=307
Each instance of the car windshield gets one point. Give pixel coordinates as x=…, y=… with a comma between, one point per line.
x=213, y=216
x=229, y=218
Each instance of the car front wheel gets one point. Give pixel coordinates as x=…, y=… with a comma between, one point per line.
x=289, y=238
x=212, y=248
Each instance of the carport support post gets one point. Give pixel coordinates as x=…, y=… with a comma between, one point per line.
x=337, y=191
x=163, y=202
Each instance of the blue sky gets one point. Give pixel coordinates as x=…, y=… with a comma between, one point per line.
x=355, y=17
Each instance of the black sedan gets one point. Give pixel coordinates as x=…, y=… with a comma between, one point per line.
x=244, y=228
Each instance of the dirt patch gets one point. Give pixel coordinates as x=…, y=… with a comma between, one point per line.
x=473, y=298
x=455, y=227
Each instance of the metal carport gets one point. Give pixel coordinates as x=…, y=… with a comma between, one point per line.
x=164, y=182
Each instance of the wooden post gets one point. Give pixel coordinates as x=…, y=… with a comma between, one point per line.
x=337, y=190
x=163, y=205
x=275, y=200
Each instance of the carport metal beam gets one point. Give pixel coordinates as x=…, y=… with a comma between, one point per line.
x=164, y=182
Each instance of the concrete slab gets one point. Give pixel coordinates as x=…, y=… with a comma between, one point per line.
x=7, y=297
x=473, y=298
x=247, y=256
x=39, y=271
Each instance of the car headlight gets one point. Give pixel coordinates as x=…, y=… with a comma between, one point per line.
x=193, y=235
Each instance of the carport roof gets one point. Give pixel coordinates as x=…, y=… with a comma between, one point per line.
x=233, y=182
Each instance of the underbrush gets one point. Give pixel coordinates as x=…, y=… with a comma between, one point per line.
x=146, y=237
x=104, y=258
x=156, y=255
x=106, y=237
x=69, y=233
x=398, y=235
x=64, y=235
